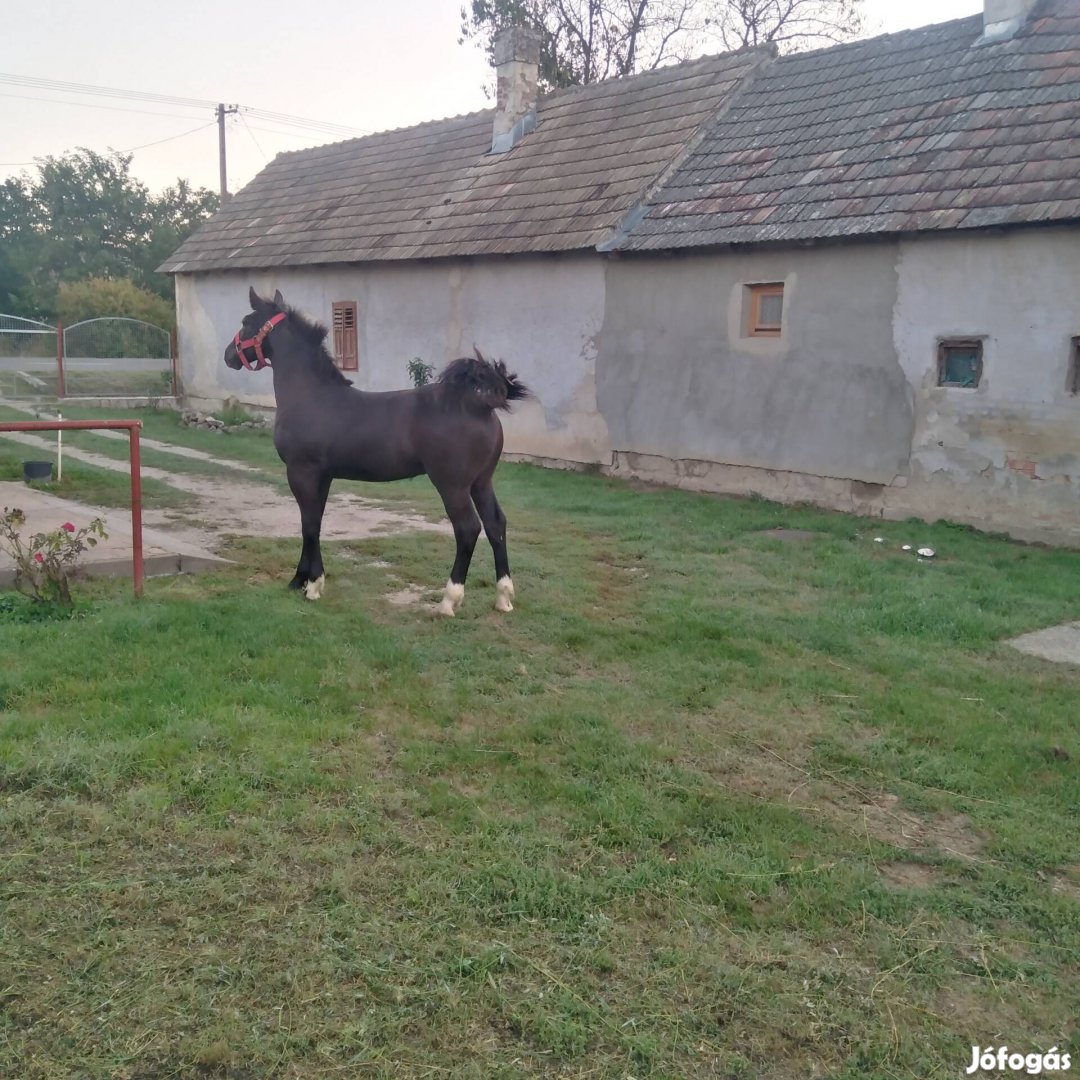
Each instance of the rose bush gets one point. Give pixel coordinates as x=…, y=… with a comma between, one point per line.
x=45, y=561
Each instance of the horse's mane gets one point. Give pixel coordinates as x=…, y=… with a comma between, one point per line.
x=478, y=381
x=314, y=334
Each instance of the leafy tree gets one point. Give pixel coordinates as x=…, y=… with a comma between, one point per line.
x=85, y=216
x=14, y=229
x=177, y=213
x=583, y=41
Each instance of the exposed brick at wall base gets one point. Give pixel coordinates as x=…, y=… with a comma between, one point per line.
x=1017, y=465
x=930, y=499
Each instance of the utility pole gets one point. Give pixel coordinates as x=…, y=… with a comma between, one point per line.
x=222, y=112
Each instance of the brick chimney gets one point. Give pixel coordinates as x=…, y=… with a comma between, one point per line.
x=517, y=67
x=1002, y=18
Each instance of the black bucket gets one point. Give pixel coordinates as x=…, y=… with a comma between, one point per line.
x=37, y=470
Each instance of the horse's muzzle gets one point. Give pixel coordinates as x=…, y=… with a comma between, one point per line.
x=231, y=358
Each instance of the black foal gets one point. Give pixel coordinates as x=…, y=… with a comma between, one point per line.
x=326, y=430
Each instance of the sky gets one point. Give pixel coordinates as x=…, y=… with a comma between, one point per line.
x=363, y=65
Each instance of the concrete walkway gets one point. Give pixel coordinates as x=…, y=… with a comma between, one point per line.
x=1058, y=643
x=163, y=554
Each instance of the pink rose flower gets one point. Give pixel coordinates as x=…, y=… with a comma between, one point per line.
x=38, y=557
x=68, y=527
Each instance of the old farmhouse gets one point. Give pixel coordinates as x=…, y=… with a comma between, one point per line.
x=849, y=276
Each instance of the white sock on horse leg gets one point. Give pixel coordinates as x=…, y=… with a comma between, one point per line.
x=452, y=597
x=504, y=593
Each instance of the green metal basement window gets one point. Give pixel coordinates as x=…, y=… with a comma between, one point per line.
x=960, y=363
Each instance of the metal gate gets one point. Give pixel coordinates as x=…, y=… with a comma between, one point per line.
x=105, y=357
x=117, y=357
x=29, y=351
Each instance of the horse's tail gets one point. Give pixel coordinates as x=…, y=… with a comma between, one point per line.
x=476, y=381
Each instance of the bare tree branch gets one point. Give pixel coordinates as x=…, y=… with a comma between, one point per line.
x=587, y=40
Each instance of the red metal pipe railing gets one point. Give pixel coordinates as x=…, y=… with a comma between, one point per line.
x=132, y=427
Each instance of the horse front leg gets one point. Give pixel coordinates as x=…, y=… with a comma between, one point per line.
x=466, y=532
x=310, y=488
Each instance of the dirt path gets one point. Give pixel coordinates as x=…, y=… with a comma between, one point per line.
x=228, y=507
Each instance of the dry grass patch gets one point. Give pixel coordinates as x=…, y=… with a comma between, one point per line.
x=907, y=875
x=1067, y=883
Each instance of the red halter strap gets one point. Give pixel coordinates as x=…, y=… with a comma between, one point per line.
x=256, y=341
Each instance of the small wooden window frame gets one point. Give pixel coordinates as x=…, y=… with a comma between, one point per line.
x=1072, y=382
x=754, y=296
x=944, y=344
x=346, y=350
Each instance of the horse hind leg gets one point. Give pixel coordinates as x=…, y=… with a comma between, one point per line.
x=491, y=514
x=310, y=489
x=466, y=532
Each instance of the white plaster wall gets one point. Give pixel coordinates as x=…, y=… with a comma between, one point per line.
x=679, y=377
x=844, y=410
x=1005, y=454
x=541, y=316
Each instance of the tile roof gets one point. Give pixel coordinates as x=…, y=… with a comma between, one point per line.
x=922, y=130
x=434, y=190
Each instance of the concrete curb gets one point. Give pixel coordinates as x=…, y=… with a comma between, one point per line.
x=153, y=566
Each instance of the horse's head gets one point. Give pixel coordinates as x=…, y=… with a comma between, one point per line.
x=250, y=347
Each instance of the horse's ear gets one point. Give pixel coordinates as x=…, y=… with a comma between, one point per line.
x=279, y=300
x=479, y=354
x=253, y=298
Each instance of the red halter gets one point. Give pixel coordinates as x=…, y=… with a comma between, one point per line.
x=257, y=340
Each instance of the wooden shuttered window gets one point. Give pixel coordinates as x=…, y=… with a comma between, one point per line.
x=345, y=351
x=766, y=310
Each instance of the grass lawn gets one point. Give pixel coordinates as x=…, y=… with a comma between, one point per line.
x=708, y=803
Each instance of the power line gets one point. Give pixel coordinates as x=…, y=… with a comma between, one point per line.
x=103, y=91
x=130, y=150
x=89, y=105
x=169, y=138
x=251, y=135
x=143, y=97
x=298, y=121
x=276, y=131
x=60, y=86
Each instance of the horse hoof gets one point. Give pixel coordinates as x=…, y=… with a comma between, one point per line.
x=445, y=608
x=452, y=597
x=313, y=589
x=504, y=594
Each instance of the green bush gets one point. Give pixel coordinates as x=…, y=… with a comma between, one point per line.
x=97, y=297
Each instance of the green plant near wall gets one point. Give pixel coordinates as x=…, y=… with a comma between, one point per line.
x=419, y=372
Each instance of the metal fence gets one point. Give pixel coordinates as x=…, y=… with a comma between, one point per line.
x=106, y=357
x=28, y=357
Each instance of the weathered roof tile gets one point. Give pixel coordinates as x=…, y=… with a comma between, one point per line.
x=936, y=130
x=928, y=129
x=434, y=190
